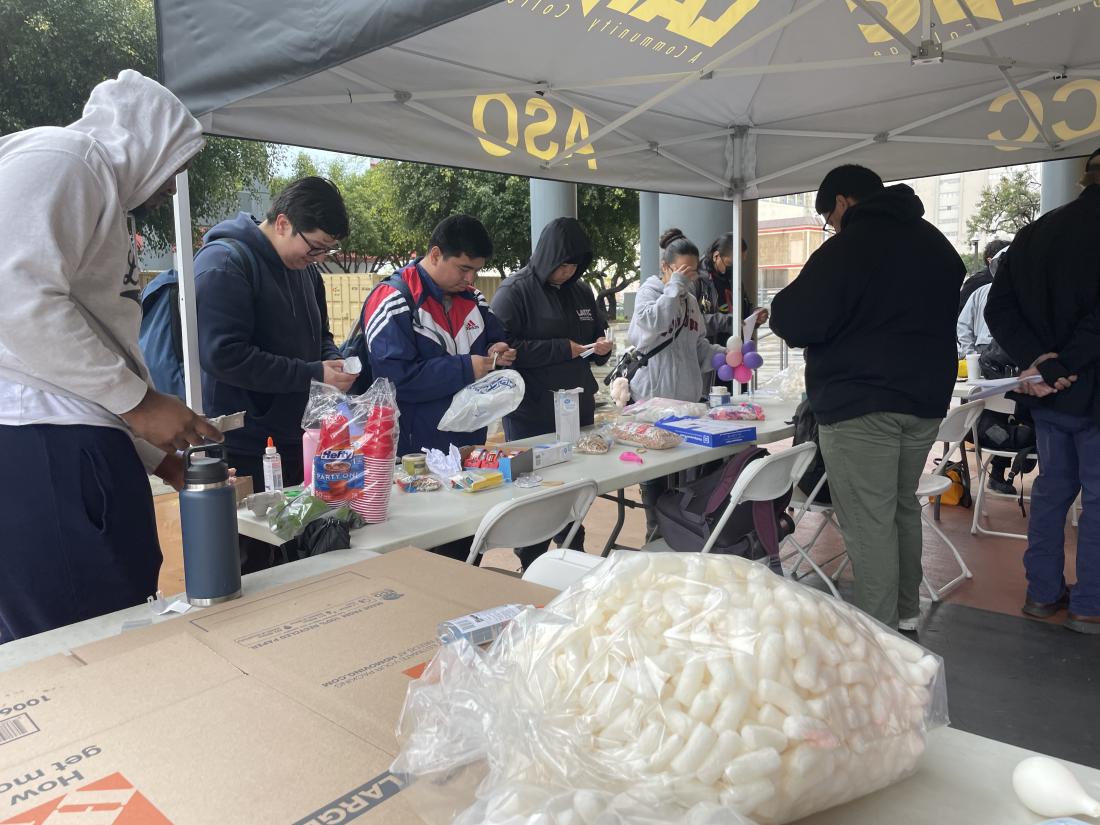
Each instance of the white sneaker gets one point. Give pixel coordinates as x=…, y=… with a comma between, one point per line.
x=909, y=624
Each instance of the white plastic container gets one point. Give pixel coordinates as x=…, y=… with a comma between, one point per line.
x=973, y=368
x=567, y=415
x=273, y=468
x=719, y=397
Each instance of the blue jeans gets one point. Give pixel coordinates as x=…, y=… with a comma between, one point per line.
x=1069, y=462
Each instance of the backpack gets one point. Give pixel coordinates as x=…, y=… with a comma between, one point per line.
x=995, y=362
x=959, y=493
x=161, y=334
x=688, y=514
x=356, y=342
x=805, y=431
x=1010, y=433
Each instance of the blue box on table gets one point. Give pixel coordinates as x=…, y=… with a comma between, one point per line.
x=706, y=432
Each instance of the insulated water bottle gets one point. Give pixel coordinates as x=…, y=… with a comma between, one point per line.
x=208, y=518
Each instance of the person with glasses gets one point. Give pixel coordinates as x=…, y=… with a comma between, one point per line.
x=713, y=289
x=875, y=308
x=668, y=324
x=263, y=324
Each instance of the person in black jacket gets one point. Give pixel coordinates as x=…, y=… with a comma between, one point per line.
x=552, y=319
x=875, y=307
x=1044, y=310
x=983, y=276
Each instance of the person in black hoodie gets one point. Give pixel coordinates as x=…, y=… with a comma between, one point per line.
x=1044, y=311
x=263, y=326
x=552, y=318
x=983, y=276
x=875, y=307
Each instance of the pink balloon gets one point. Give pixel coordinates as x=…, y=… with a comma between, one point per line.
x=742, y=374
x=734, y=358
x=754, y=360
x=726, y=372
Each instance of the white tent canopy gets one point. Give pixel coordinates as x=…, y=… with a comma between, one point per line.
x=696, y=97
x=723, y=99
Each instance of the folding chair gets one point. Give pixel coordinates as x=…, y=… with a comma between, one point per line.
x=534, y=518
x=766, y=479
x=560, y=567
x=986, y=455
x=801, y=505
x=954, y=429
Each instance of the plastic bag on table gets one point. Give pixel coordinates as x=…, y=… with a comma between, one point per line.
x=741, y=411
x=289, y=518
x=673, y=688
x=356, y=447
x=323, y=535
x=484, y=401
x=649, y=436
x=594, y=442
x=786, y=385
x=653, y=410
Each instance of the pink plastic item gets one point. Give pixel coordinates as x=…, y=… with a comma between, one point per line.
x=631, y=456
x=309, y=450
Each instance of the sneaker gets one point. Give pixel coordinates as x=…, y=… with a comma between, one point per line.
x=1001, y=486
x=911, y=624
x=1044, y=610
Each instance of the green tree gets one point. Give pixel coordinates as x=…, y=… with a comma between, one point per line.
x=1007, y=207
x=53, y=52
x=610, y=216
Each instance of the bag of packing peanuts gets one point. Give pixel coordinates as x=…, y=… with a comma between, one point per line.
x=669, y=688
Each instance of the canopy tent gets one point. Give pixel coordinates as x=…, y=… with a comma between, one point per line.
x=723, y=99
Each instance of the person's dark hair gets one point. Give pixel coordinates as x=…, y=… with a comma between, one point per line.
x=992, y=248
x=674, y=244
x=462, y=235
x=849, y=180
x=723, y=245
x=312, y=203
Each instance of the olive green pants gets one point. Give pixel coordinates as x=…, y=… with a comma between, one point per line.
x=874, y=463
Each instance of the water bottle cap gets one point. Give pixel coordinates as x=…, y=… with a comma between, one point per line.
x=205, y=470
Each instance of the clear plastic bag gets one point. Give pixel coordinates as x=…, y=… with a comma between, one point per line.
x=785, y=385
x=649, y=436
x=356, y=447
x=669, y=687
x=742, y=411
x=653, y=410
x=483, y=402
x=594, y=442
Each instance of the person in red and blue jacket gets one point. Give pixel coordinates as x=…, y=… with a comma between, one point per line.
x=441, y=340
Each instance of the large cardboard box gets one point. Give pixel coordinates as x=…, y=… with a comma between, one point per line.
x=279, y=707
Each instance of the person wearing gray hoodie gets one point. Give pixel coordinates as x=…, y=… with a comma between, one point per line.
x=80, y=425
x=667, y=315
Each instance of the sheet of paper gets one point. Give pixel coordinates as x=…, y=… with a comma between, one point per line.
x=588, y=352
x=748, y=327
x=999, y=386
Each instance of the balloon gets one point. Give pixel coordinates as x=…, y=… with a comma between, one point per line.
x=733, y=342
x=754, y=360
x=726, y=372
x=742, y=374
x=718, y=359
x=748, y=346
x=733, y=358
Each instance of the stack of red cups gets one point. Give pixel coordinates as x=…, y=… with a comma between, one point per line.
x=379, y=449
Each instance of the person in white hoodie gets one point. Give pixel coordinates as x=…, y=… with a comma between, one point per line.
x=80, y=425
x=668, y=323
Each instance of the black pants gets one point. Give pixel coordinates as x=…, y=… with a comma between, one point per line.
x=79, y=528
x=256, y=554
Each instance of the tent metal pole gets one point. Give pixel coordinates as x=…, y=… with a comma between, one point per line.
x=640, y=109
x=855, y=147
x=185, y=269
x=1015, y=22
x=925, y=20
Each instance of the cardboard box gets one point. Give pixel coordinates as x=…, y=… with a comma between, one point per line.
x=707, y=432
x=547, y=455
x=278, y=707
x=511, y=462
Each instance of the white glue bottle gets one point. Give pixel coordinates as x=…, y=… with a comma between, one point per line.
x=478, y=628
x=273, y=467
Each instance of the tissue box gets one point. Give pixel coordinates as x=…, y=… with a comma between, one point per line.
x=707, y=432
x=474, y=481
x=547, y=455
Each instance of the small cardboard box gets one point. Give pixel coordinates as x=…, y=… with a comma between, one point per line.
x=707, y=432
x=511, y=461
x=547, y=455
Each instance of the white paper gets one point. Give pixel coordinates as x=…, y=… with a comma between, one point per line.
x=999, y=386
x=748, y=327
x=160, y=605
x=588, y=352
x=225, y=423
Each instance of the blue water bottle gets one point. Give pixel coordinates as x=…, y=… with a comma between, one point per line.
x=208, y=518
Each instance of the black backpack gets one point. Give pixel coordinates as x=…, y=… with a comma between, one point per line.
x=805, y=431
x=356, y=342
x=688, y=514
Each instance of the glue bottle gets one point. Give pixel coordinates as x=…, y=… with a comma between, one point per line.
x=478, y=628
x=273, y=467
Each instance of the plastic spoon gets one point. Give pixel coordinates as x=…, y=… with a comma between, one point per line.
x=1047, y=787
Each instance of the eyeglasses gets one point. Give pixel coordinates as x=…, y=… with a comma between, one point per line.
x=826, y=227
x=317, y=250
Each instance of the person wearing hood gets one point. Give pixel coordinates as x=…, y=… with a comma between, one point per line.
x=875, y=308
x=552, y=319
x=263, y=327
x=80, y=424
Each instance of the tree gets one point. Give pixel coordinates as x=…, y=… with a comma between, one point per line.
x=54, y=51
x=610, y=216
x=1007, y=207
